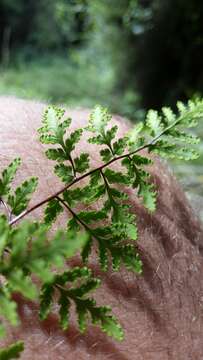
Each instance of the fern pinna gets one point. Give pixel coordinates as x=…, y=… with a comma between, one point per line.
x=27, y=248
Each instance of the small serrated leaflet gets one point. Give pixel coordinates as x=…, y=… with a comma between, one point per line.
x=4, y=233
x=99, y=118
x=64, y=172
x=87, y=249
x=13, y=351
x=148, y=194
x=56, y=154
x=19, y=201
x=53, y=209
x=106, y=154
x=64, y=304
x=153, y=122
x=72, y=140
x=46, y=298
x=82, y=163
x=116, y=177
x=8, y=176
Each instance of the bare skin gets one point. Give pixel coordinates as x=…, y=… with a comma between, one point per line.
x=160, y=311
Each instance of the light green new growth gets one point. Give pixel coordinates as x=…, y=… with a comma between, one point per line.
x=27, y=248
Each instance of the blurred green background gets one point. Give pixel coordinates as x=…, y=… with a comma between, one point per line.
x=129, y=55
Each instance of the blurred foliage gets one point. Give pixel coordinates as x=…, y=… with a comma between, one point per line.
x=73, y=82
x=129, y=55
x=170, y=52
x=152, y=49
x=42, y=25
x=70, y=44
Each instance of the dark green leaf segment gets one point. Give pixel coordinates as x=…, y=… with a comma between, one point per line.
x=12, y=352
x=98, y=212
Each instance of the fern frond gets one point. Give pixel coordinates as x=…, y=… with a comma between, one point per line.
x=73, y=286
x=170, y=127
x=29, y=249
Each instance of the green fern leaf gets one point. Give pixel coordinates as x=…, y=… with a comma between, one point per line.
x=92, y=216
x=46, y=299
x=98, y=123
x=8, y=307
x=64, y=172
x=182, y=136
x=4, y=233
x=73, y=140
x=116, y=258
x=119, y=146
x=90, y=285
x=12, y=352
x=119, y=195
x=99, y=119
x=131, y=259
x=116, y=177
x=83, y=283
x=8, y=176
x=148, y=195
x=87, y=249
x=100, y=315
x=110, y=135
x=31, y=253
x=64, y=304
x=88, y=194
x=190, y=114
x=82, y=314
x=56, y=154
x=171, y=151
x=109, y=324
x=106, y=155
x=53, y=129
x=135, y=140
x=19, y=201
x=19, y=282
x=141, y=160
x=153, y=122
x=103, y=256
x=52, y=211
x=73, y=275
x=169, y=116
x=82, y=163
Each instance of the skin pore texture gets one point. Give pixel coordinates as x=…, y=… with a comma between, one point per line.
x=162, y=310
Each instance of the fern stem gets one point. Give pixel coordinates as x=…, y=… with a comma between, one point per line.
x=110, y=147
x=73, y=166
x=9, y=214
x=72, y=213
x=108, y=189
